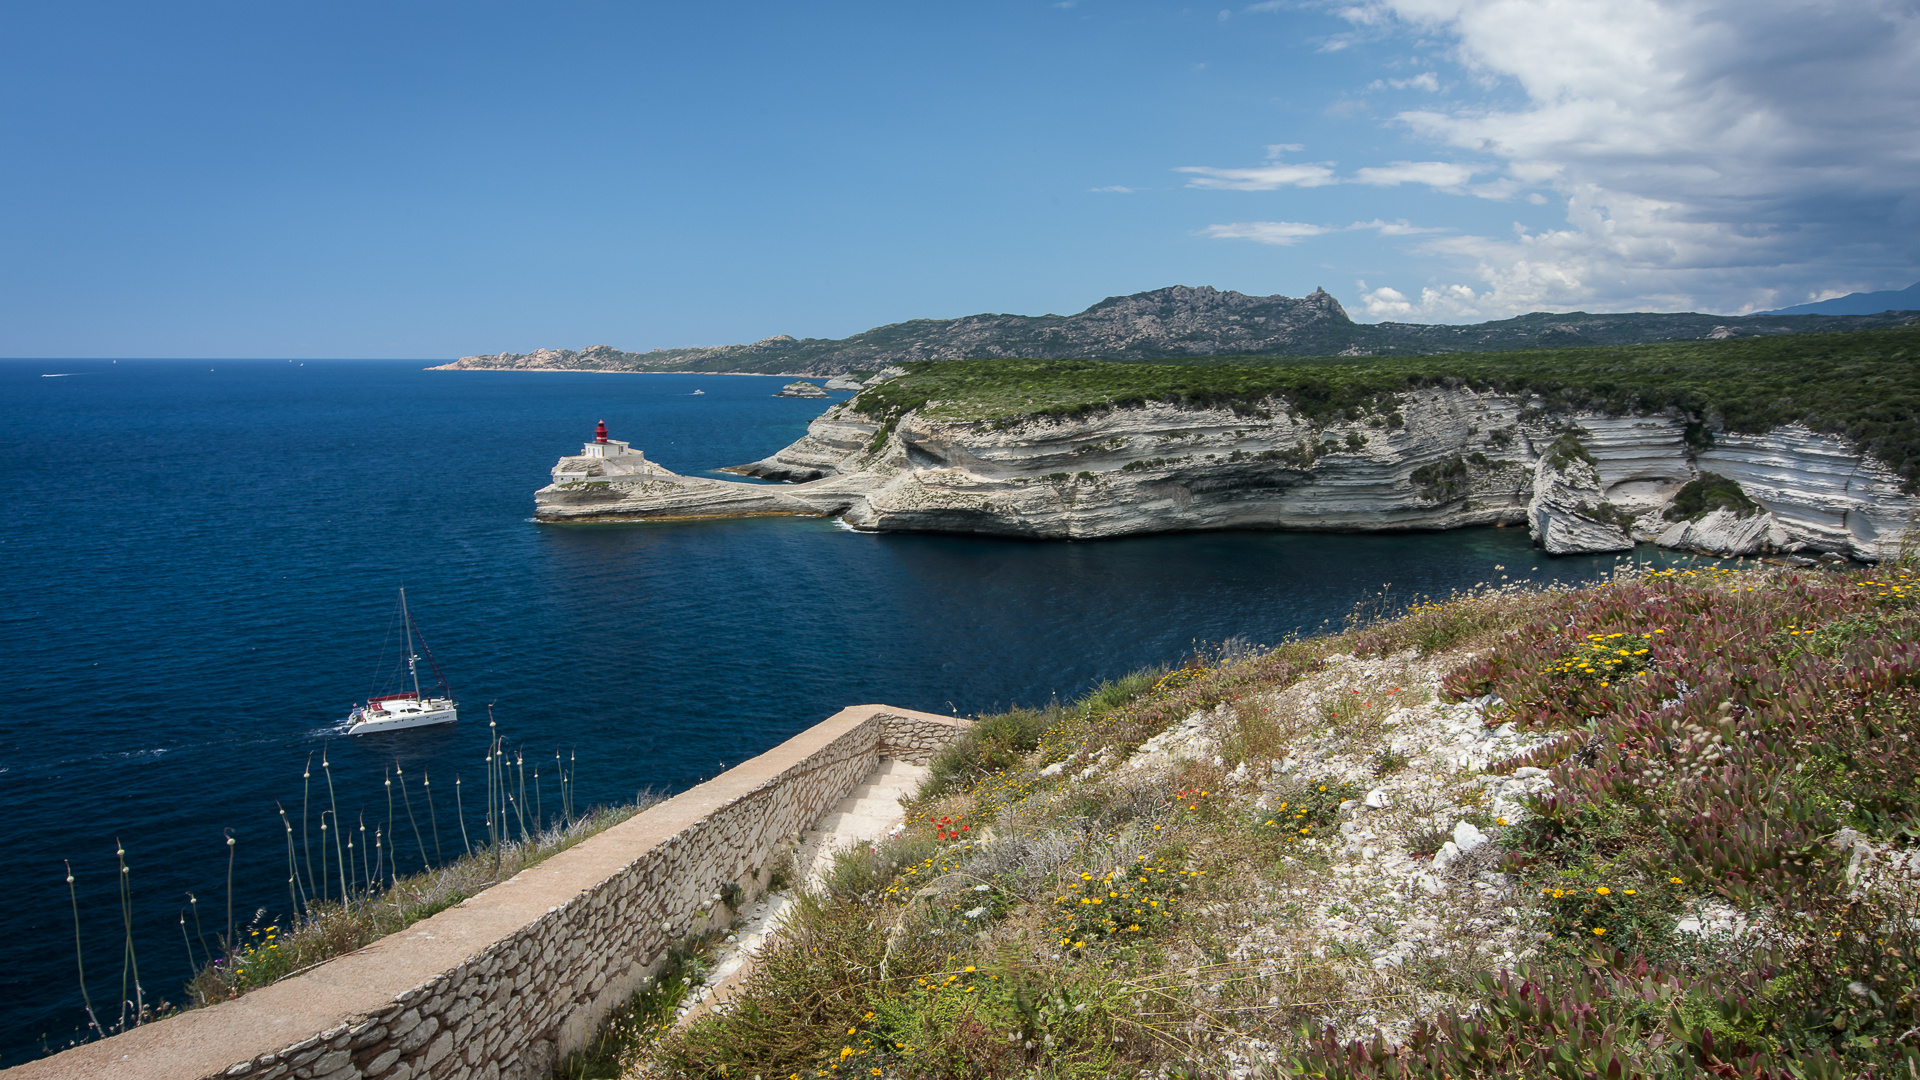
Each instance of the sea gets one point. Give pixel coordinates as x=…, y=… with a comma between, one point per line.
x=201, y=561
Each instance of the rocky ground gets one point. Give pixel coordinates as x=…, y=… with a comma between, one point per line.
x=1658, y=827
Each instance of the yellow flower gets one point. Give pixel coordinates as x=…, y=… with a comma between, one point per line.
x=846, y=1052
x=1604, y=891
x=1598, y=930
x=1675, y=881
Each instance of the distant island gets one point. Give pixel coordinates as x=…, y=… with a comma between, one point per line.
x=1173, y=324
x=1859, y=303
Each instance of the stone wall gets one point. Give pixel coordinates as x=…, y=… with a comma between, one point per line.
x=501, y=985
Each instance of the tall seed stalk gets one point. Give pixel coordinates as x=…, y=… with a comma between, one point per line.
x=407, y=800
x=79, y=960
x=193, y=963
x=334, y=802
x=460, y=812
x=130, y=961
x=199, y=932
x=433, y=816
x=230, y=946
x=294, y=896
x=520, y=762
x=388, y=782
x=366, y=870
x=306, y=783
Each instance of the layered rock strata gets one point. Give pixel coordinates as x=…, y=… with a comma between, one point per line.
x=1444, y=458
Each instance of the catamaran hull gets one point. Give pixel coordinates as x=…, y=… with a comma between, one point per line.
x=364, y=723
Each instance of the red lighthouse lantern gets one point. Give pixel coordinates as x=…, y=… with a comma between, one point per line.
x=600, y=432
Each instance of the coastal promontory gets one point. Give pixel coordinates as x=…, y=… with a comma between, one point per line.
x=1800, y=446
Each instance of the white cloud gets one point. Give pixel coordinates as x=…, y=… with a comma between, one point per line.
x=1441, y=174
x=1426, y=80
x=1115, y=188
x=1397, y=228
x=1288, y=233
x=1447, y=303
x=1282, y=233
x=1262, y=178
x=1710, y=154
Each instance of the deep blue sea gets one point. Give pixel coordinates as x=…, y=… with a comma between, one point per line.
x=201, y=559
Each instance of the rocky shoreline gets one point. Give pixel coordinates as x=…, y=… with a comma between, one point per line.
x=1444, y=458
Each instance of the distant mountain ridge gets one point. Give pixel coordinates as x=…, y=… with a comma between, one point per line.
x=1860, y=303
x=1174, y=323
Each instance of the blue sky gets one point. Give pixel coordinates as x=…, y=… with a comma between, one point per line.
x=414, y=180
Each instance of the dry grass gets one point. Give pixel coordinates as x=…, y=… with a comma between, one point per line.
x=269, y=952
x=1228, y=870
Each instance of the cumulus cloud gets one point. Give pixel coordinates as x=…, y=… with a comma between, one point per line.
x=1710, y=154
x=1447, y=303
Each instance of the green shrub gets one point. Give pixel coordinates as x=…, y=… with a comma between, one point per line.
x=1707, y=493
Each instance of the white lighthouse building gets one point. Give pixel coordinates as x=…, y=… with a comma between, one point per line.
x=604, y=459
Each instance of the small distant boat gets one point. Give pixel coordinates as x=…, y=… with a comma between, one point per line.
x=699, y=391
x=407, y=709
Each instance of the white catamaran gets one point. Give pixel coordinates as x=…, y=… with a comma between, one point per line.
x=408, y=709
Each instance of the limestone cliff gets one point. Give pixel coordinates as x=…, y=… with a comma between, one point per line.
x=1444, y=458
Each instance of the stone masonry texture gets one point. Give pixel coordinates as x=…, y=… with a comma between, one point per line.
x=501, y=985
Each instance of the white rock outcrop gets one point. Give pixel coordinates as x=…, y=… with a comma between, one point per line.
x=1568, y=515
x=1445, y=458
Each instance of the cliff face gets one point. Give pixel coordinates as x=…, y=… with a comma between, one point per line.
x=1447, y=458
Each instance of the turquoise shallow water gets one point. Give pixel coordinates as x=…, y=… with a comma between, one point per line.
x=201, y=558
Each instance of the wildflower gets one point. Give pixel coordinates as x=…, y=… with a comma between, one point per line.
x=1675, y=881
x=1603, y=890
x=1599, y=930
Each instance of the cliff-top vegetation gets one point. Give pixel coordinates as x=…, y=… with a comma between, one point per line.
x=1864, y=385
x=1663, y=827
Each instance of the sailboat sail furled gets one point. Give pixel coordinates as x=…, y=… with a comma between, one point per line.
x=410, y=707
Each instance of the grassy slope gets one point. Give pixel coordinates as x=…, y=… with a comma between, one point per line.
x=1863, y=385
x=1790, y=715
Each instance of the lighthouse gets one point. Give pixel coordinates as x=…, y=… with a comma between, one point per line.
x=603, y=447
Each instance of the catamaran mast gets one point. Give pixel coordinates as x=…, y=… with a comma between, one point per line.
x=413, y=662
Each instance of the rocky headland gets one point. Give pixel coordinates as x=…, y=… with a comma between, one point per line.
x=1172, y=323
x=902, y=457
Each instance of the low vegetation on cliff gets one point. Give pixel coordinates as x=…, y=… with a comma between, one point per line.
x=1662, y=827
x=1862, y=385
